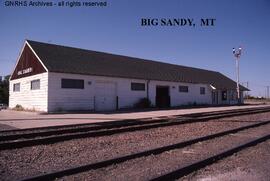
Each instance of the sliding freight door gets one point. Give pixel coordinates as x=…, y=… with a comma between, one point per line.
x=105, y=96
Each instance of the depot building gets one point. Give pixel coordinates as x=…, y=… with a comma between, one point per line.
x=53, y=78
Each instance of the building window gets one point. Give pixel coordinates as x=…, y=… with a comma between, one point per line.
x=16, y=87
x=35, y=84
x=72, y=83
x=183, y=88
x=202, y=90
x=224, y=95
x=137, y=86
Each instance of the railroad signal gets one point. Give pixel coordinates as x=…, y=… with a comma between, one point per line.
x=237, y=54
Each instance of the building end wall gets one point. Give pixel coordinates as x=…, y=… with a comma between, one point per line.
x=30, y=99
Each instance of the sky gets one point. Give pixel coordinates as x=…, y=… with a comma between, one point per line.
x=117, y=29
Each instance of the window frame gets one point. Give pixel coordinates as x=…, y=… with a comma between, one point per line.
x=185, y=88
x=78, y=83
x=31, y=84
x=135, y=86
x=14, y=87
x=202, y=90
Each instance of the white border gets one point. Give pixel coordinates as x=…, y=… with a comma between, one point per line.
x=37, y=56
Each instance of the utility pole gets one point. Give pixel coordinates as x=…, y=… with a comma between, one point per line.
x=237, y=54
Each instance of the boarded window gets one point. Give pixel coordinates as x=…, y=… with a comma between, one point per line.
x=183, y=88
x=202, y=90
x=35, y=84
x=137, y=86
x=16, y=87
x=72, y=83
x=224, y=95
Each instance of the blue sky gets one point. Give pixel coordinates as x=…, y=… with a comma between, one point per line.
x=116, y=29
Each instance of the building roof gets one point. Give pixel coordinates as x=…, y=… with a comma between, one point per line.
x=64, y=59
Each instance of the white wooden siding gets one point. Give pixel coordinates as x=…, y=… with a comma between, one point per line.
x=105, y=96
x=182, y=98
x=84, y=99
x=27, y=98
x=51, y=97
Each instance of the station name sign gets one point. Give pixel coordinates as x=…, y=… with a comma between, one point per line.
x=25, y=71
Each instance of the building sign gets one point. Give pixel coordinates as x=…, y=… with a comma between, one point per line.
x=25, y=71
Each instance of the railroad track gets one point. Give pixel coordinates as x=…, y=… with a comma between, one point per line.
x=231, y=135
x=70, y=128
x=227, y=112
x=31, y=137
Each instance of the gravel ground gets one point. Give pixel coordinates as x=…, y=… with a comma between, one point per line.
x=146, y=168
x=248, y=165
x=23, y=162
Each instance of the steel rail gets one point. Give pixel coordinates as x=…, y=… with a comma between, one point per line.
x=106, y=132
x=181, y=172
x=127, y=121
x=156, y=151
x=88, y=127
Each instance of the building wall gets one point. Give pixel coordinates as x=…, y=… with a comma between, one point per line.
x=27, y=98
x=231, y=97
x=182, y=98
x=84, y=99
x=51, y=97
